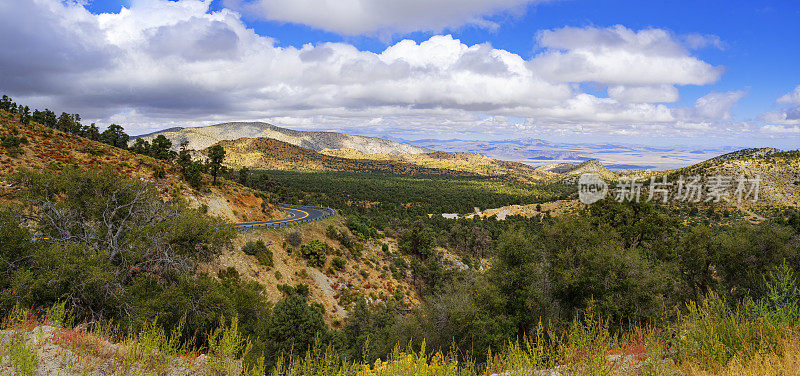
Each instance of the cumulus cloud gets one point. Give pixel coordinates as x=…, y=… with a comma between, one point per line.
x=162, y=63
x=621, y=56
x=787, y=115
x=791, y=98
x=354, y=17
x=644, y=94
x=715, y=106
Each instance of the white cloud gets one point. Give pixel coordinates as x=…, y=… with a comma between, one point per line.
x=163, y=63
x=644, y=94
x=697, y=41
x=354, y=17
x=716, y=106
x=791, y=98
x=620, y=56
x=780, y=130
x=788, y=115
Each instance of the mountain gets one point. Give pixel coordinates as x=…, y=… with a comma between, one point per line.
x=592, y=166
x=173, y=129
x=202, y=137
x=457, y=161
x=271, y=154
x=537, y=152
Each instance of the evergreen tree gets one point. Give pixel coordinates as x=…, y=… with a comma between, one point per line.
x=160, y=148
x=25, y=115
x=184, y=158
x=141, y=146
x=244, y=175
x=91, y=132
x=5, y=103
x=216, y=154
x=115, y=136
x=65, y=122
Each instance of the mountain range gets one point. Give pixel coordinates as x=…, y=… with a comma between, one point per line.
x=200, y=138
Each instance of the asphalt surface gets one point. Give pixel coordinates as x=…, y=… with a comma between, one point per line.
x=297, y=214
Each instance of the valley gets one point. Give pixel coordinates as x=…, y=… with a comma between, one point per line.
x=422, y=244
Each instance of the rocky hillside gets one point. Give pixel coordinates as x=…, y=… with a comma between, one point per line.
x=270, y=154
x=202, y=137
x=43, y=147
x=570, y=172
x=779, y=172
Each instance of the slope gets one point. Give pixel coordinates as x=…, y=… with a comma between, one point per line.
x=202, y=137
x=270, y=154
x=467, y=162
x=42, y=146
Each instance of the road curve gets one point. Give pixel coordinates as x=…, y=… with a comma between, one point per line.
x=297, y=214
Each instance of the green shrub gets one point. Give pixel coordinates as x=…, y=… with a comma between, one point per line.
x=228, y=274
x=332, y=233
x=159, y=172
x=337, y=263
x=315, y=252
x=260, y=250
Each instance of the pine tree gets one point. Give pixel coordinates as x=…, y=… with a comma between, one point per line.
x=216, y=154
x=114, y=135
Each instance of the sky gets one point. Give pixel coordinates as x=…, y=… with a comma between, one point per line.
x=652, y=73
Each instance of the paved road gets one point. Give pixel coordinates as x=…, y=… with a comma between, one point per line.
x=297, y=214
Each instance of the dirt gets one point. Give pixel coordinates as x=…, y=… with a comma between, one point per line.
x=66, y=352
x=326, y=285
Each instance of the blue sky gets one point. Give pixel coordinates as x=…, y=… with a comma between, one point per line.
x=738, y=88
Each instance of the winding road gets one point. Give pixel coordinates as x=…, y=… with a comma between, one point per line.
x=297, y=214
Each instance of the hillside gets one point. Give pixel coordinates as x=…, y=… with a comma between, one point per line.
x=271, y=154
x=45, y=146
x=467, y=162
x=202, y=137
x=779, y=172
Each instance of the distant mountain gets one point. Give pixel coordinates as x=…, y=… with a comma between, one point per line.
x=592, y=166
x=267, y=153
x=200, y=138
x=537, y=152
x=467, y=162
x=271, y=154
x=526, y=149
x=173, y=129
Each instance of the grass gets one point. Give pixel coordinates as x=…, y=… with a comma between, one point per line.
x=711, y=337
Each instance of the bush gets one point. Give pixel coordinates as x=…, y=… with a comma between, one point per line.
x=338, y=263
x=294, y=239
x=315, y=252
x=260, y=250
x=158, y=172
x=332, y=233
x=228, y=274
